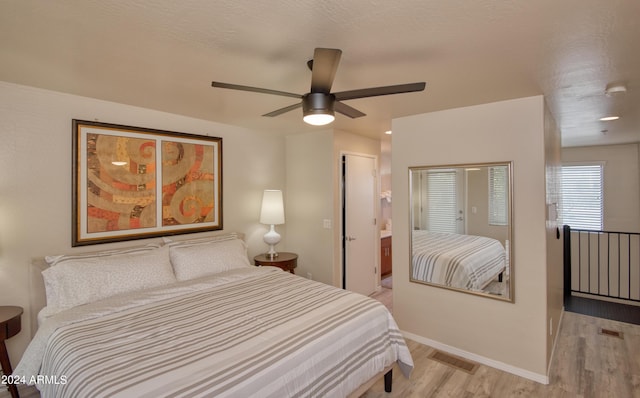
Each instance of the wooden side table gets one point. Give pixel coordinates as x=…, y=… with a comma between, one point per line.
x=284, y=260
x=10, y=325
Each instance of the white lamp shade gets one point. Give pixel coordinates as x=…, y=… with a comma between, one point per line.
x=272, y=208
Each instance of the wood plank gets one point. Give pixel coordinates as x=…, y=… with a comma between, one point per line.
x=586, y=364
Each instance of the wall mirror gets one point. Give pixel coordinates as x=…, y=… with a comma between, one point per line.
x=461, y=228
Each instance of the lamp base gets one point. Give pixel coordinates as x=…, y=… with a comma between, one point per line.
x=272, y=238
x=271, y=256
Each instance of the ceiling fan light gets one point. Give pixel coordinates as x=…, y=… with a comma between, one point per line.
x=317, y=108
x=318, y=119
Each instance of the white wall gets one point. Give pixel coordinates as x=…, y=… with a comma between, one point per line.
x=308, y=201
x=35, y=179
x=555, y=270
x=385, y=180
x=512, y=336
x=621, y=182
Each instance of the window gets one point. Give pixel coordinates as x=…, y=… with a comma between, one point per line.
x=441, y=201
x=498, y=208
x=582, y=196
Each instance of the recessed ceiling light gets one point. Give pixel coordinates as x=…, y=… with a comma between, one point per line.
x=388, y=132
x=609, y=118
x=615, y=89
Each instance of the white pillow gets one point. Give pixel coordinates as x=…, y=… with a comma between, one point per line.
x=77, y=281
x=207, y=258
x=53, y=260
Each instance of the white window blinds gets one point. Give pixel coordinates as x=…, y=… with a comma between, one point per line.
x=582, y=196
x=498, y=207
x=441, y=201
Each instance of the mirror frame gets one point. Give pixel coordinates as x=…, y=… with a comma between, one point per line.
x=509, y=252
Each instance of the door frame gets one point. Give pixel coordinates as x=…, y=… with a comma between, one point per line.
x=376, y=210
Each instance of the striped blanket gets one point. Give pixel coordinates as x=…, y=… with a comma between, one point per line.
x=461, y=261
x=247, y=332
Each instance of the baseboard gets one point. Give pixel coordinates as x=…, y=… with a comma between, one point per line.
x=527, y=374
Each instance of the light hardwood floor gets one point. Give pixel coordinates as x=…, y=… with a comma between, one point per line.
x=586, y=364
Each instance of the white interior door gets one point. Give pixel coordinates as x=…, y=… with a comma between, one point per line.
x=359, y=218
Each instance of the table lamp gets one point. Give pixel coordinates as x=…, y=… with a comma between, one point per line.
x=272, y=213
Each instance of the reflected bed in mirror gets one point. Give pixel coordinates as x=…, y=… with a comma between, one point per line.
x=461, y=232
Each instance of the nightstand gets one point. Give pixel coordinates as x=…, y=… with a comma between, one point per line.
x=284, y=260
x=10, y=318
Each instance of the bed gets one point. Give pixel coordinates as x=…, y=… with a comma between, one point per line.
x=195, y=319
x=462, y=261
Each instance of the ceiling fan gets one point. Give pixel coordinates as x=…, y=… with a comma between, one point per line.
x=319, y=104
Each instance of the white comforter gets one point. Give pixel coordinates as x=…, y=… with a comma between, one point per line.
x=462, y=261
x=247, y=332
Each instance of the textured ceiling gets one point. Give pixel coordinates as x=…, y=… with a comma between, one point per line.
x=163, y=55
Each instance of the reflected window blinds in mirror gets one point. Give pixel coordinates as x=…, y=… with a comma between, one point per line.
x=461, y=228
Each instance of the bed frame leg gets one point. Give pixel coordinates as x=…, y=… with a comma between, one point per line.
x=388, y=380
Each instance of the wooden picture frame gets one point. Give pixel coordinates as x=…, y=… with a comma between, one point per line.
x=134, y=183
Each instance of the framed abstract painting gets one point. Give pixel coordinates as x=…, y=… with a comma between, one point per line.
x=133, y=183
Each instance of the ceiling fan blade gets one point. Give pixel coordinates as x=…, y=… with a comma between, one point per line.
x=377, y=91
x=324, y=67
x=283, y=110
x=347, y=110
x=254, y=89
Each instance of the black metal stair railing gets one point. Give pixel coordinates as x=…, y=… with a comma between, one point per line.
x=602, y=264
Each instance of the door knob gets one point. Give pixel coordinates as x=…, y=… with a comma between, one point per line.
x=350, y=238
